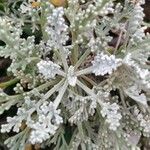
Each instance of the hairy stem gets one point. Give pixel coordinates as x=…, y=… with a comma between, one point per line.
x=8, y=83
x=82, y=58
x=61, y=93
x=54, y=89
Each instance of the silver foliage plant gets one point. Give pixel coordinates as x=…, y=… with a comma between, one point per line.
x=82, y=93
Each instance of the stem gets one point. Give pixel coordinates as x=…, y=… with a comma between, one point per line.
x=118, y=42
x=64, y=141
x=33, y=59
x=122, y=99
x=89, y=80
x=8, y=104
x=75, y=51
x=88, y=91
x=72, y=138
x=14, y=97
x=44, y=86
x=84, y=71
x=61, y=73
x=63, y=58
x=83, y=146
x=60, y=95
x=42, y=23
x=85, y=88
x=57, y=54
x=8, y=83
x=51, y=91
x=39, y=88
x=81, y=130
x=82, y=58
x=127, y=38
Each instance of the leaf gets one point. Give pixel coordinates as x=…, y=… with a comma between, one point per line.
x=135, y=95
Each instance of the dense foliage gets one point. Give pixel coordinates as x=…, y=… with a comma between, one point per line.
x=74, y=89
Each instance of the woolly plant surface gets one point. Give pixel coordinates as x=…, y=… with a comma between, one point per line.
x=73, y=90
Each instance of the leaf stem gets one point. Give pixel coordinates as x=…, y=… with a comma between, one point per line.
x=84, y=71
x=60, y=95
x=82, y=58
x=51, y=91
x=85, y=88
x=8, y=83
x=75, y=50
